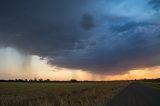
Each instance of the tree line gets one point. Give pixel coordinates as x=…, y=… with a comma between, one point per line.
x=72, y=80
x=36, y=80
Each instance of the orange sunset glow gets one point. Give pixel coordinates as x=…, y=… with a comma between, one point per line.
x=40, y=69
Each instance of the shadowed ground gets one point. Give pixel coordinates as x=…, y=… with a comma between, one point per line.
x=137, y=94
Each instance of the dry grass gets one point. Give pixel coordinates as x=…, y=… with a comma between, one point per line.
x=58, y=94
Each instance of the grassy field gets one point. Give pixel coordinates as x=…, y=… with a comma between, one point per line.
x=152, y=84
x=58, y=94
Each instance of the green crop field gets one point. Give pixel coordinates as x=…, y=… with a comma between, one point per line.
x=58, y=94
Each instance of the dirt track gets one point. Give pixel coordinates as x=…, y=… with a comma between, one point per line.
x=137, y=94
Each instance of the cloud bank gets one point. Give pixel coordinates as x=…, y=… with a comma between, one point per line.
x=106, y=36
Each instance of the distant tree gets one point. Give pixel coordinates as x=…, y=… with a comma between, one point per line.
x=73, y=80
x=40, y=80
x=47, y=80
x=26, y=80
x=35, y=79
x=30, y=80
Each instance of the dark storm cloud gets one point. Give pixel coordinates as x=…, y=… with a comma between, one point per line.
x=135, y=48
x=155, y=3
x=75, y=34
x=38, y=26
x=87, y=21
x=128, y=26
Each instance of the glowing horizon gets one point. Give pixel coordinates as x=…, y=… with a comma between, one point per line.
x=38, y=68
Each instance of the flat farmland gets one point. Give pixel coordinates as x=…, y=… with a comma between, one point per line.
x=59, y=94
x=152, y=84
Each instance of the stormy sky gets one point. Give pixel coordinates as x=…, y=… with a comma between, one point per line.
x=98, y=36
